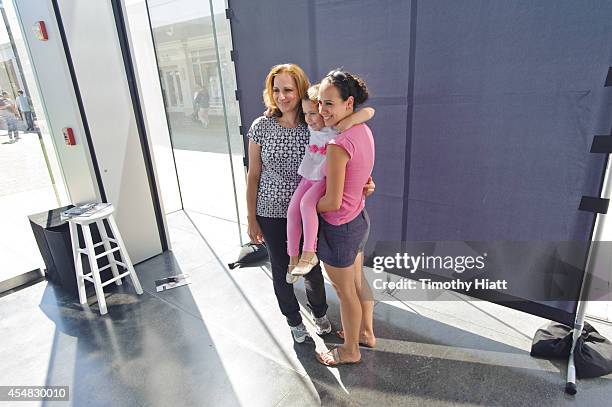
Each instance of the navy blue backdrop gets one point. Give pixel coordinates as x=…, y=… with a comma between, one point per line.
x=485, y=110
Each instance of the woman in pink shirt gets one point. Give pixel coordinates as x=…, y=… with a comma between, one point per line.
x=344, y=226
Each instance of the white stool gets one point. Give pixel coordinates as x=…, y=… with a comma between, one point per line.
x=89, y=250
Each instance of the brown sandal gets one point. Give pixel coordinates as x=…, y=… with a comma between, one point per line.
x=331, y=358
x=340, y=334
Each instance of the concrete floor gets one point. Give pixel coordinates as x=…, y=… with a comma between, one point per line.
x=221, y=341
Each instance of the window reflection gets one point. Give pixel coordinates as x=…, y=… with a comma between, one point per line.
x=204, y=130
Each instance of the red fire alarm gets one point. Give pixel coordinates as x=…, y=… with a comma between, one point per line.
x=69, y=136
x=41, y=31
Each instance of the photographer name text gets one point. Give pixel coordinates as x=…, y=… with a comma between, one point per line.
x=428, y=284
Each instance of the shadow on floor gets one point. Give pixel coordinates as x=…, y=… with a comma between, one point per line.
x=143, y=352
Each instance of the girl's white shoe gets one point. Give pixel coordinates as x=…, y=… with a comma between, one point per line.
x=304, y=266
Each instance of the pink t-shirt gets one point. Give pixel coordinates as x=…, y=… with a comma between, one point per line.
x=359, y=144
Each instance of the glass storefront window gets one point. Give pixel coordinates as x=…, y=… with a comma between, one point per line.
x=31, y=180
x=192, y=44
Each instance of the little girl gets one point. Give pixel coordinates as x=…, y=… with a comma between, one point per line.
x=302, y=212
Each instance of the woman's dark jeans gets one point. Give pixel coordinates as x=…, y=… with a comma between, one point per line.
x=275, y=236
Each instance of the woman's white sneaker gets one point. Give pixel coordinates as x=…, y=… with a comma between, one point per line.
x=290, y=278
x=323, y=326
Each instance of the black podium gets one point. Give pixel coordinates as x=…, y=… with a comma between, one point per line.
x=52, y=234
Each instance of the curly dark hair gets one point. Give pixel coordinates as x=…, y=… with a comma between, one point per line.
x=348, y=84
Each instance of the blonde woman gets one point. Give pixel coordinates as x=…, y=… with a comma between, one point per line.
x=276, y=147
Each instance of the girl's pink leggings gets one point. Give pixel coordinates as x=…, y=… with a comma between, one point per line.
x=303, y=212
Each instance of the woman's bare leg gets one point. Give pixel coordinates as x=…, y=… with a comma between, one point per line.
x=343, y=280
x=366, y=300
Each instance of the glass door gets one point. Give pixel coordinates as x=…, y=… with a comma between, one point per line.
x=173, y=90
x=191, y=44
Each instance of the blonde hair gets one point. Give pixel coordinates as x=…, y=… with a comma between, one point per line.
x=301, y=81
x=312, y=94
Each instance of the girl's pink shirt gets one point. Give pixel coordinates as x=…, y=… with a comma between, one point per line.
x=359, y=144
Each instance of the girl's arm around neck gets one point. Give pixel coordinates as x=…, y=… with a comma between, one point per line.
x=357, y=117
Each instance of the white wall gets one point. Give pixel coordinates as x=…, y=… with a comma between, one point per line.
x=96, y=54
x=58, y=99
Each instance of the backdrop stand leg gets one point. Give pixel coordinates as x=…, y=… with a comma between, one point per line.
x=570, y=385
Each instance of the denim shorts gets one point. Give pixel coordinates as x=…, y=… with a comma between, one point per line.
x=338, y=245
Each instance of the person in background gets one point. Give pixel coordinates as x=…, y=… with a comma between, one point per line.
x=202, y=102
x=24, y=108
x=194, y=102
x=8, y=112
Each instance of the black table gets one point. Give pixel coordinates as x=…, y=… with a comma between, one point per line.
x=52, y=234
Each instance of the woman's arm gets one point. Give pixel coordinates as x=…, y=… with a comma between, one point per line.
x=357, y=117
x=336, y=158
x=253, y=175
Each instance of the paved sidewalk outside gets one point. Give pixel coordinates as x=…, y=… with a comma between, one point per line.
x=203, y=166
x=25, y=188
